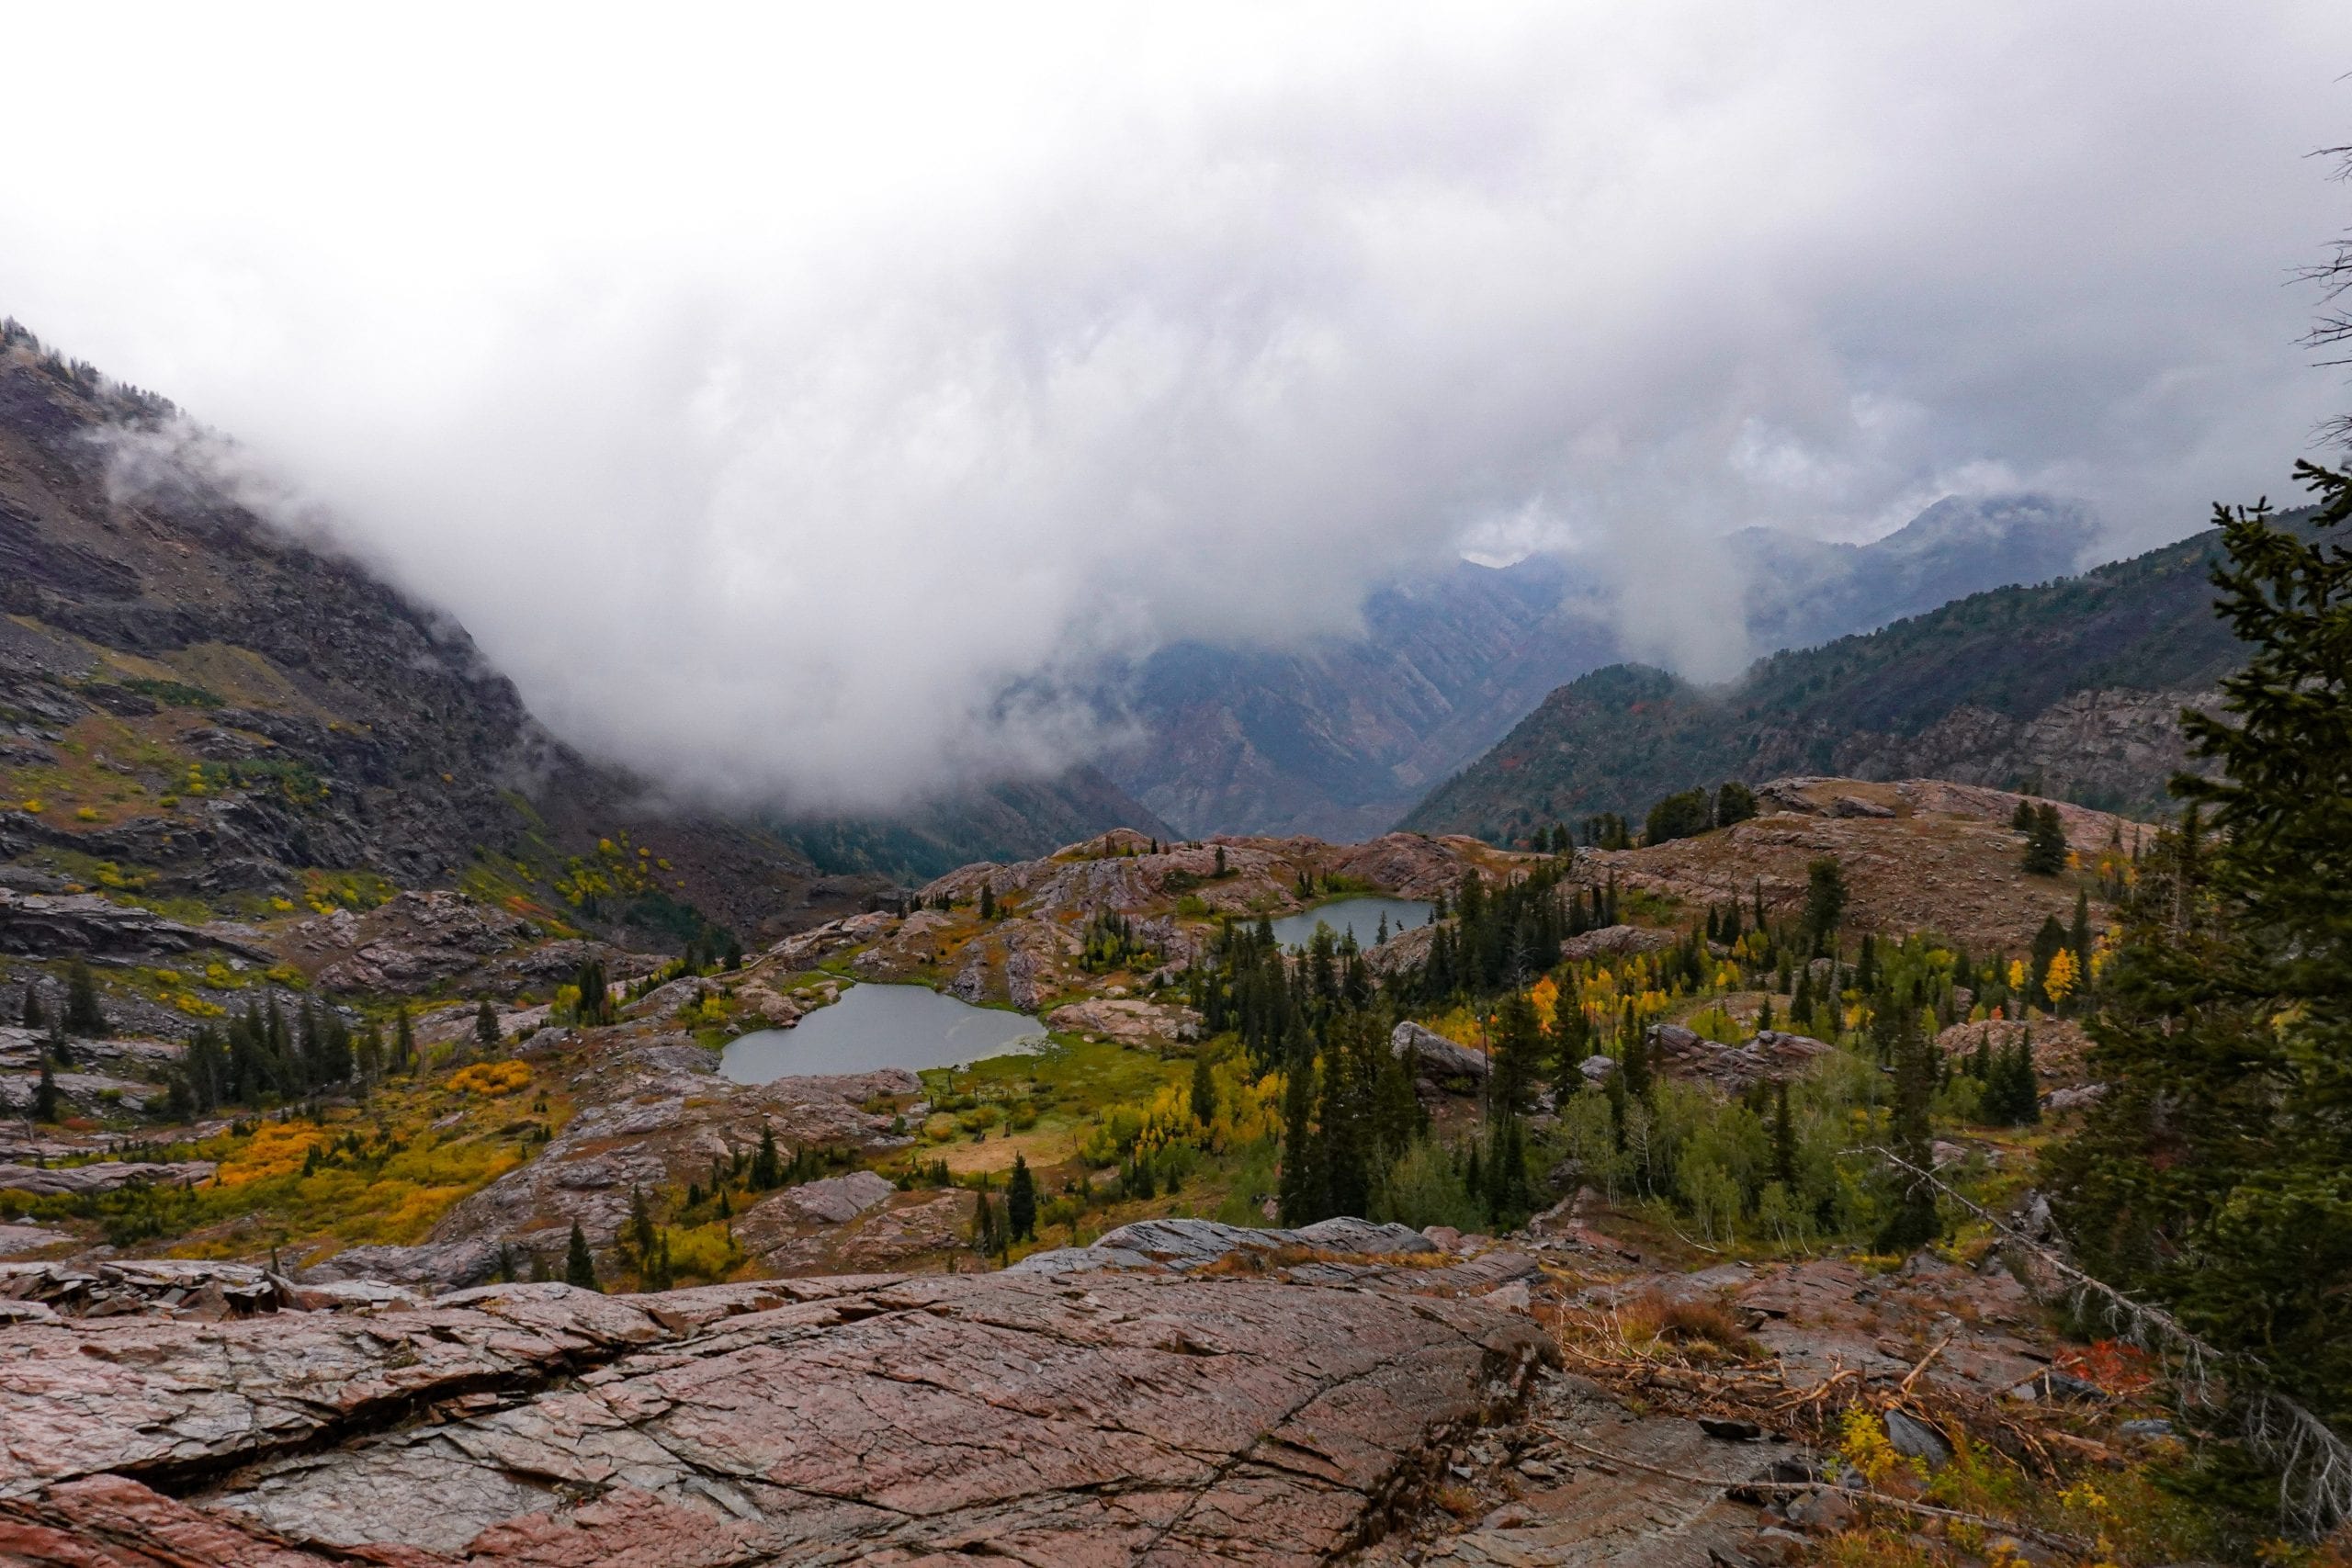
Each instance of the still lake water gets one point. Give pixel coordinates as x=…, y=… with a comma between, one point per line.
x=1360, y=915
x=880, y=1026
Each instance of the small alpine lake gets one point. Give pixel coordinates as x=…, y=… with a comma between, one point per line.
x=876, y=1026
x=1359, y=914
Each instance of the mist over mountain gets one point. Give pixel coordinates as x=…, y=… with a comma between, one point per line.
x=809, y=422
x=2071, y=688
x=1339, y=739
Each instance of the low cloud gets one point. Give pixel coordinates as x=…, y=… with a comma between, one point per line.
x=803, y=419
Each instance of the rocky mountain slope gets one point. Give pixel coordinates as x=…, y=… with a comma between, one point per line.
x=195, y=706
x=2069, y=689
x=1339, y=739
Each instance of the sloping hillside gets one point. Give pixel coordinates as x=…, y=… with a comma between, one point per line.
x=196, y=709
x=2071, y=688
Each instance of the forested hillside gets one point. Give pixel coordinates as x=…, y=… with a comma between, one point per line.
x=2070, y=688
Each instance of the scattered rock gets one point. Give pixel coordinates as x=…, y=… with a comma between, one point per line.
x=1730, y=1431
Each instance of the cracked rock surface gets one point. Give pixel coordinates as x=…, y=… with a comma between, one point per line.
x=1105, y=1419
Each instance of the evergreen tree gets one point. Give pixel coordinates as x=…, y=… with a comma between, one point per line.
x=639, y=1235
x=404, y=1041
x=579, y=1264
x=987, y=901
x=1914, y=1222
x=1301, y=1192
x=486, y=1026
x=1825, y=903
x=767, y=1164
x=1634, y=1063
x=1021, y=1201
x=2021, y=819
x=1518, y=1060
x=46, y=1103
x=1203, y=1088
x=2045, y=842
x=1784, y=1137
x=2213, y=1174
x=983, y=1225
x=34, y=1018
x=2079, y=937
x=61, y=1049
x=1734, y=802
x=84, y=1016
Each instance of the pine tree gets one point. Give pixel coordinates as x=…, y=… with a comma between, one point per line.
x=987, y=901
x=2021, y=819
x=35, y=1018
x=1021, y=1201
x=61, y=1049
x=767, y=1164
x=2079, y=937
x=1518, y=1060
x=2212, y=1174
x=2045, y=842
x=486, y=1026
x=1914, y=1222
x=1784, y=1137
x=84, y=1016
x=1633, y=1063
x=1301, y=1192
x=1203, y=1088
x=984, y=1225
x=579, y=1263
x=1825, y=903
x=404, y=1042
x=46, y=1103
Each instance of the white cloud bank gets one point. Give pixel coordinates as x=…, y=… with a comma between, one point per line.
x=793, y=408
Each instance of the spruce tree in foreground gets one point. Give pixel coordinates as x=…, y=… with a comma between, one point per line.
x=2213, y=1175
x=46, y=1100
x=579, y=1263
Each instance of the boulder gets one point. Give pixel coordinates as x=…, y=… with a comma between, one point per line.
x=1129, y=1022
x=1615, y=941
x=1771, y=1056
x=1435, y=1057
x=837, y=1200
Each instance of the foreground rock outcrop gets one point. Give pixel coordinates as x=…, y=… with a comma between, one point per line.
x=1108, y=1417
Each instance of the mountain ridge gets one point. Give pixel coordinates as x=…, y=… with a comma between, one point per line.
x=2070, y=688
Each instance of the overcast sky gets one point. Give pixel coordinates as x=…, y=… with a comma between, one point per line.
x=792, y=405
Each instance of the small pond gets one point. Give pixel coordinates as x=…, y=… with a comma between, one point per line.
x=1359, y=914
x=881, y=1026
